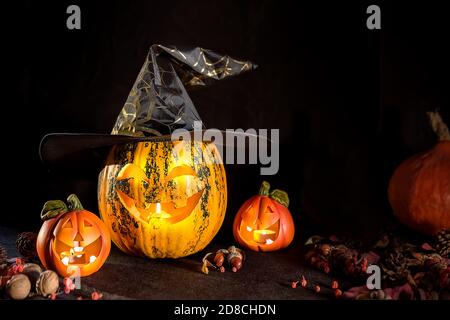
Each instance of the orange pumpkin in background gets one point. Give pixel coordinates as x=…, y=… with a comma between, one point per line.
x=72, y=241
x=264, y=222
x=419, y=190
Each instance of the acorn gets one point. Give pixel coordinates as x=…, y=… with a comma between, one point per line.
x=47, y=283
x=18, y=287
x=32, y=271
x=235, y=258
x=219, y=258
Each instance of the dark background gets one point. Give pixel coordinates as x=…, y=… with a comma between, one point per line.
x=350, y=102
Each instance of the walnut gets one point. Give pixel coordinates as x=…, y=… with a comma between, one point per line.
x=18, y=287
x=47, y=283
x=32, y=271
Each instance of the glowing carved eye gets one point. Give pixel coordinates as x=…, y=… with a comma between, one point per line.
x=180, y=171
x=68, y=224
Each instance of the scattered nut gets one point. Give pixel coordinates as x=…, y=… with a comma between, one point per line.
x=47, y=283
x=18, y=287
x=32, y=271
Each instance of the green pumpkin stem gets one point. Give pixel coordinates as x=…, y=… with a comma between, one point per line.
x=74, y=203
x=264, y=189
x=280, y=196
x=53, y=208
x=439, y=126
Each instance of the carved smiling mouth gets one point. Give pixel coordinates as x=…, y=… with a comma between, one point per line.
x=260, y=236
x=167, y=209
x=160, y=210
x=77, y=254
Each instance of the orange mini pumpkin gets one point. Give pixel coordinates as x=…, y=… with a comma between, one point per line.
x=419, y=190
x=264, y=222
x=72, y=240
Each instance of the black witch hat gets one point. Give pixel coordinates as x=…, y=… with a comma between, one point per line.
x=157, y=104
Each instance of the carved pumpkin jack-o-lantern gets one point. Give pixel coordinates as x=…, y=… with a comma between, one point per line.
x=72, y=241
x=164, y=199
x=172, y=211
x=264, y=223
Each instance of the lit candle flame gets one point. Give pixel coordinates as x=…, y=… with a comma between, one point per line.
x=65, y=261
x=92, y=259
x=158, y=208
x=249, y=229
x=269, y=241
x=159, y=213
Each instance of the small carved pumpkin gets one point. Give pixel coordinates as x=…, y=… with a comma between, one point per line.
x=72, y=241
x=419, y=190
x=264, y=222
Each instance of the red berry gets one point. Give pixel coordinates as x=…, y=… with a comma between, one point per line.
x=67, y=282
x=334, y=284
x=96, y=296
x=53, y=296
x=303, y=282
x=337, y=293
x=294, y=284
x=364, y=264
x=317, y=289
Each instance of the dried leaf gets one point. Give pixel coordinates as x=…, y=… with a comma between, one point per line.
x=205, y=268
x=207, y=263
x=313, y=240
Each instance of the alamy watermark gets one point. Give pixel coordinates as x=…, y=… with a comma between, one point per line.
x=74, y=19
x=237, y=146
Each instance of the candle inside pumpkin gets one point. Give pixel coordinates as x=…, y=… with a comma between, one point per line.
x=263, y=236
x=76, y=255
x=159, y=214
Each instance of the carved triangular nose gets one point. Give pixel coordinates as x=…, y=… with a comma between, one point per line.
x=78, y=237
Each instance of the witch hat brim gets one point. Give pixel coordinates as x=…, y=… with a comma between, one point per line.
x=68, y=150
x=157, y=105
